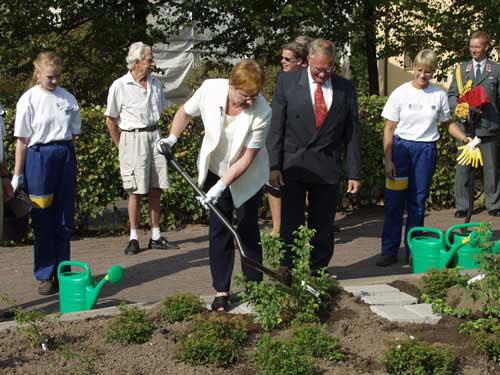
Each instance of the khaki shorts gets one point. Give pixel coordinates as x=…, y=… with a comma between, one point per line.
x=142, y=167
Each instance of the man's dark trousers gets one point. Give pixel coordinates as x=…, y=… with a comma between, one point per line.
x=322, y=201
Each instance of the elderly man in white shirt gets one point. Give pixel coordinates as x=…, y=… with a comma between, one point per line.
x=135, y=104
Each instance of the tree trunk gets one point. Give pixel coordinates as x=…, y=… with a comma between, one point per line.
x=371, y=47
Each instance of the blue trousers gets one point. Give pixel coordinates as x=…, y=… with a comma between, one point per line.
x=415, y=163
x=50, y=181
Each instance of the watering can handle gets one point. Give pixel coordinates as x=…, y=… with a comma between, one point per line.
x=423, y=229
x=72, y=263
x=454, y=228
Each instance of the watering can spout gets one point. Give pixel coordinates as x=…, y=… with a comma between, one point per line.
x=114, y=275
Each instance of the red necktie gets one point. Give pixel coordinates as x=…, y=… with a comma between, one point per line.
x=320, y=109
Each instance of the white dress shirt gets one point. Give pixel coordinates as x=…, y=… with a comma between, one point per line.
x=326, y=87
x=481, y=64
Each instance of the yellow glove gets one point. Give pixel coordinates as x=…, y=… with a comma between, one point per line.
x=471, y=154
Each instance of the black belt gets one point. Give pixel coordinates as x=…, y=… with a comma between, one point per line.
x=146, y=129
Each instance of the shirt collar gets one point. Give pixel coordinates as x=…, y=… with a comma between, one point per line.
x=130, y=79
x=327, y=84
x=480, y=63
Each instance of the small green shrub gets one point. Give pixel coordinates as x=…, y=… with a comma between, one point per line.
x=489, y=345
x=216, y=340
x=180, y=307
x=33, y=326
x=130, y=327
x=276, y=305
x=435, y=283
x=414, y=357
x=315, y=341
x=79, y=362
x=278, y=357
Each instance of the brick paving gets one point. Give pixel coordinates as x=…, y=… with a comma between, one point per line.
x=154, y=274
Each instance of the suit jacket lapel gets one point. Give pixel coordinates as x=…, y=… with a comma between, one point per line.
x=304, y=93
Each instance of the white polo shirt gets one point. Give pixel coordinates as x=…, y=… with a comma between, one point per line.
x=417, y=111
x=134, y=106
x=46, y=116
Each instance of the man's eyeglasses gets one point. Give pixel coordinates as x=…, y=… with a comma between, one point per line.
x=287, y=59
x=316, y=70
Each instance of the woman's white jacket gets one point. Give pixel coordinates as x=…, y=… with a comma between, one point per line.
x=209, y=102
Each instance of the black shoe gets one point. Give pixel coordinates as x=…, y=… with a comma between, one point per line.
x=459, y=214
x=220, y=304
x=161, y=244
x=495, y=212
x=132, y=248
x=335, y=228
x=386, y=260
x=47, y=288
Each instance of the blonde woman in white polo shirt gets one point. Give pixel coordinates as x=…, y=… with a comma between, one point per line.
x=47, y=121
x=135, y=104
x=412, y=113
x=233, y=165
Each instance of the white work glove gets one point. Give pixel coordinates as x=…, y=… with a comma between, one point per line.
x=17, y=182
x=215, y=191
x=171, y=140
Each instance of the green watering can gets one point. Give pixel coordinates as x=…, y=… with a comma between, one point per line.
x=425, y=249
x=78, y=290
x=465, y=246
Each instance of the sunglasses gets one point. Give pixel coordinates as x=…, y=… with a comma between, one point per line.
x=287, y=59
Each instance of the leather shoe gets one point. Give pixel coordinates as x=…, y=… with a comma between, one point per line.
x=495, y=212
x=386, y=260
x=161, y=244
x=132, y=248
x=47, y=288
x=461, y=214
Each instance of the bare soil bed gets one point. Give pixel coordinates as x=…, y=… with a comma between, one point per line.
x=81, y=349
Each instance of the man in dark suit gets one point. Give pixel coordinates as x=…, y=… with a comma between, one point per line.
x=481, y=71
x=315, y=114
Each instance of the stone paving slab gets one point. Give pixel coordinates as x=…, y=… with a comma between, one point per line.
x=406, y=314
x=396, y=313
x=370, y=290
x=394, y=298
x=425, y=310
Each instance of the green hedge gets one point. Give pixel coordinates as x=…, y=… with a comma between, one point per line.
x=99, y=182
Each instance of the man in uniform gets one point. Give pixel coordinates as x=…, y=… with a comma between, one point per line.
x=135, y=104
x=482, y=71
